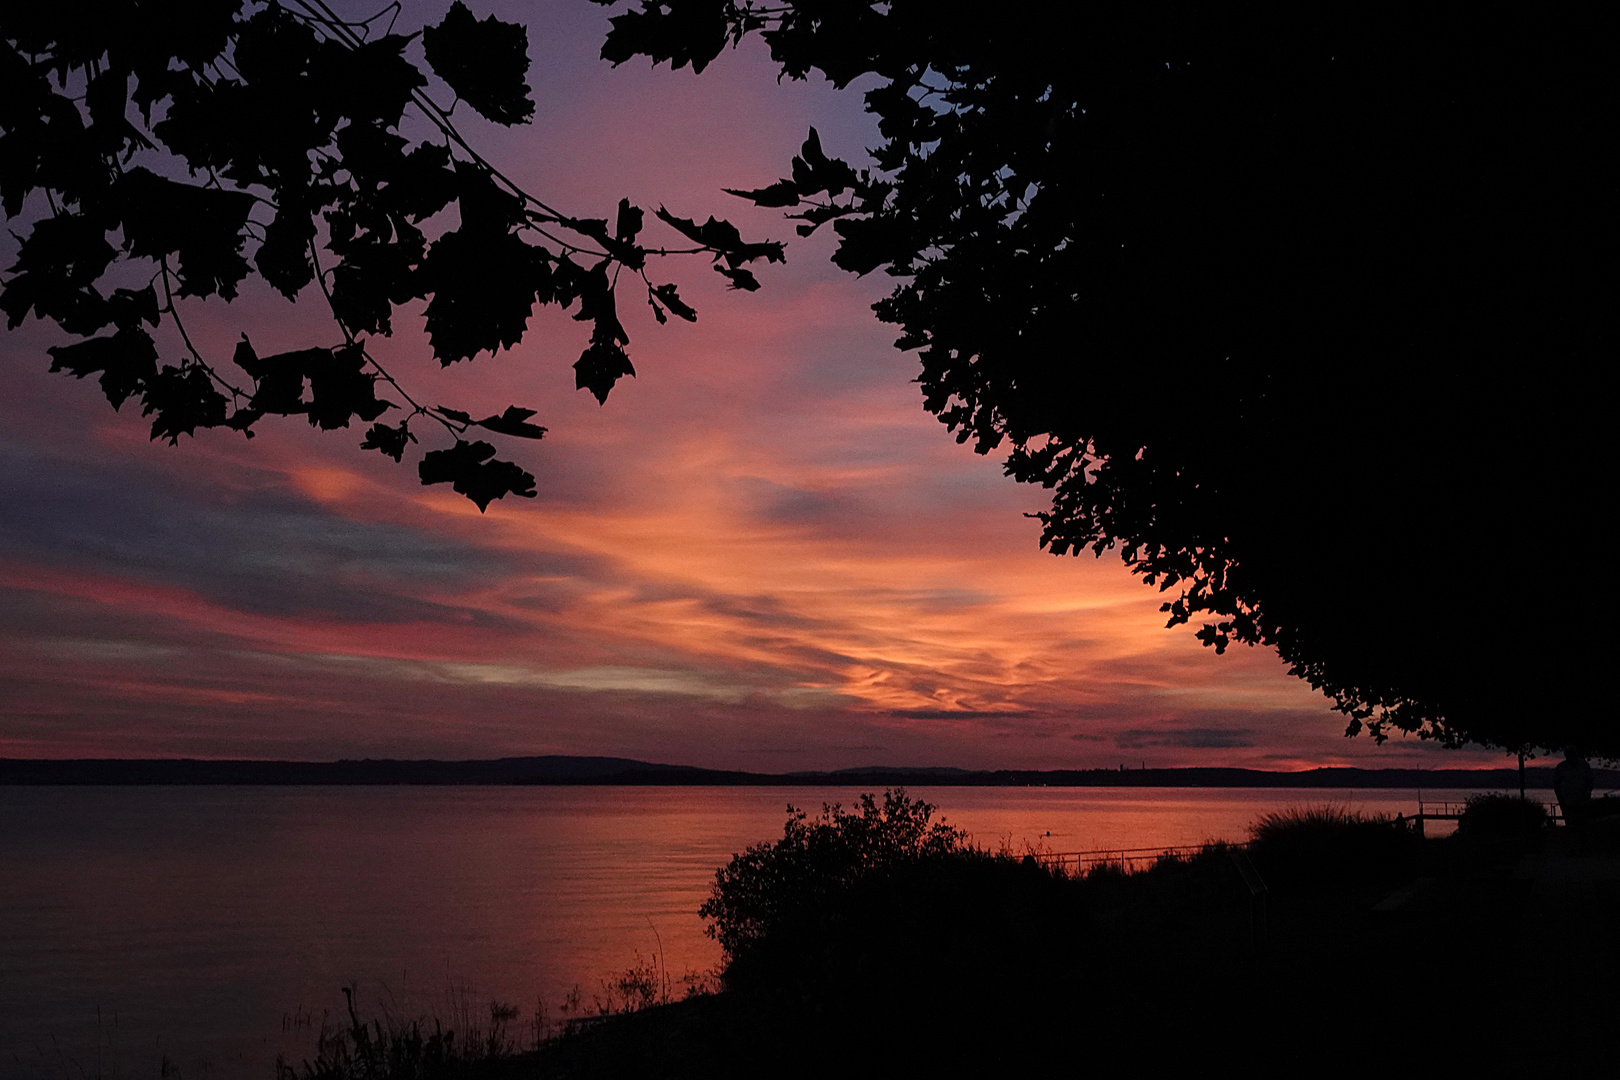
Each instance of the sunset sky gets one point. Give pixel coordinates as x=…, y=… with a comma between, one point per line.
x=761, y=553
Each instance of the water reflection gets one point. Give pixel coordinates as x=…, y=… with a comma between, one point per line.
x=216, y=924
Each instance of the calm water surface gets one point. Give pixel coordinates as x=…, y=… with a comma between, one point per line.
x=208, y=925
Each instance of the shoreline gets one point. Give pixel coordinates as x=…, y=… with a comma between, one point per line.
x=594, y=772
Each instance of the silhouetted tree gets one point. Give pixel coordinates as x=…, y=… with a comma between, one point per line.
x=1296, y=306
x=169, y=149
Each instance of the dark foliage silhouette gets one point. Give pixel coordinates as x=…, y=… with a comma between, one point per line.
x=1294, y=306
x=161, y=152
x=781, y=882
x=1326, y=847
x=1492, y=815
x=848, y=933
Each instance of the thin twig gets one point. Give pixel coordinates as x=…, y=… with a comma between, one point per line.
x=418, y=409
x=174, y=314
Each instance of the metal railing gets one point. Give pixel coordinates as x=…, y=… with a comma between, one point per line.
x=1131, y=860
x=1453, y=811
x=1135, y=860
x=1126, y=860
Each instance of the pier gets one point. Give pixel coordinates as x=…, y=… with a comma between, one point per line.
x=1453, y=811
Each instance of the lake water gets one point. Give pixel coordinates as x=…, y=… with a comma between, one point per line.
x=215, y=925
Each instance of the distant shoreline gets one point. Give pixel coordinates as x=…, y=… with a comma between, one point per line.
x=560, y=770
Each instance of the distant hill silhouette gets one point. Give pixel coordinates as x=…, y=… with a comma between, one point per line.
x=550, y=769
x=557, y=769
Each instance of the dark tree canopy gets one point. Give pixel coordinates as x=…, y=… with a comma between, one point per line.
x=1294, y=305
x=169, y=149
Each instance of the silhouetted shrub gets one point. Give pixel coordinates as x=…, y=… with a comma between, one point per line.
x=1320, y=846
x=1495, y=815
x=772, y=884
x=863, y=935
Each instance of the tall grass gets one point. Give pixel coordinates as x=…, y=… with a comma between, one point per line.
x=466, y=1038
x=1294, y=822
x=391, y=1048
x=1326, y=846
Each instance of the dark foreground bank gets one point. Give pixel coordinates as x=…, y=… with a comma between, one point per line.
x=1330, y=944
x=1500, y=960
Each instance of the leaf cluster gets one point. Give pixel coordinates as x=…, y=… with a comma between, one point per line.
x=1289, y=306
x=167, y=152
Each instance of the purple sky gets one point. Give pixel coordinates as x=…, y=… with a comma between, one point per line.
x=761, y=553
